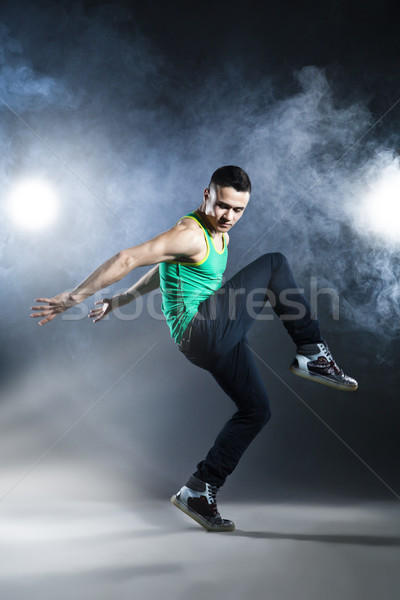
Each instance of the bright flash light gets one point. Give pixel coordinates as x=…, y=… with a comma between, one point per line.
x=33, y=204
x=382, y=205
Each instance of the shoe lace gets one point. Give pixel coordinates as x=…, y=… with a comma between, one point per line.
x=326, y=352
x=212, y=491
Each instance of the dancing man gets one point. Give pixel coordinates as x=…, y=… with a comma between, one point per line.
x=209, y=322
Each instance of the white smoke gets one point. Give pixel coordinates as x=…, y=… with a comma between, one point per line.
x=130, y=146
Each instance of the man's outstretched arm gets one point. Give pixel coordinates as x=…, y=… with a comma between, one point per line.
x=174, y=243
x=146, y=284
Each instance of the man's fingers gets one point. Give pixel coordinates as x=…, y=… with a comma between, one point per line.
x=43, y=314
x=51, y=308
x=49, y=318
x=96, y=317
x=40, y=307
x=44, y=311
x=97, y=314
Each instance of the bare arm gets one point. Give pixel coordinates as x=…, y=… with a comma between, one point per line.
x=146, y=284
x=181, y=240
x=149, y=282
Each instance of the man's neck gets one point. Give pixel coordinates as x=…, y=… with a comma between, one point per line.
x=211, y=229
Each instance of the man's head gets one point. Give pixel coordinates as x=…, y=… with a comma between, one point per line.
x=226, y=197
x=231, y=176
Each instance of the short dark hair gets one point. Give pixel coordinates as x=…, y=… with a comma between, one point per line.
x=231, y=176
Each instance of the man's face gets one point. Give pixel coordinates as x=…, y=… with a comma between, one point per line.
x=224, y=206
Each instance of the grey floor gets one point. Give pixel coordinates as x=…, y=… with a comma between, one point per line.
x=97, y=550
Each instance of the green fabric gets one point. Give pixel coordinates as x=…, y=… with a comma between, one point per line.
x=185, y=285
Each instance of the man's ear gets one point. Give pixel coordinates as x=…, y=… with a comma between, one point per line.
x=206, y=194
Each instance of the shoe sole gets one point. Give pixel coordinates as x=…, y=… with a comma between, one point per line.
x=324, y=380
x=198, y=518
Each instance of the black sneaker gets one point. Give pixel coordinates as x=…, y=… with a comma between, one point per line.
x=315, y=362
x=197, y=500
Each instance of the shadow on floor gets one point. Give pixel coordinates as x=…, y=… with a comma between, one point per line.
x=358, y=540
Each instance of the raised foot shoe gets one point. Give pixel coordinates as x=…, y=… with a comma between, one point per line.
x=198, y=500
x=315, y=362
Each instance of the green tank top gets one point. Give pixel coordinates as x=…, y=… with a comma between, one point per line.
x=185, y=285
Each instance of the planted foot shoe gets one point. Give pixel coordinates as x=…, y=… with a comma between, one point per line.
x=315, y=362
x=197, y=500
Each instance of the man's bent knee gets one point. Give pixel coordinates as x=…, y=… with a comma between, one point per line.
x=276, y=259
x=279, y=258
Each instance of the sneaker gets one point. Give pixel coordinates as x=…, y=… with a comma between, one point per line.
x=197, y=500
x=315, y=362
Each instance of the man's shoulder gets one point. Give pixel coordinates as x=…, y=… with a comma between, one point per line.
x=185, y=238
x=188, y=222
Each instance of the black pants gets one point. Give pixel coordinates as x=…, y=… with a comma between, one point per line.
x=218, y=344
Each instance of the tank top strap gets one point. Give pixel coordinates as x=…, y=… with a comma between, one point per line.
x=210, y=241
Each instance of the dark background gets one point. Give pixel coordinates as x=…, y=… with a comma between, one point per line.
x=127, y=109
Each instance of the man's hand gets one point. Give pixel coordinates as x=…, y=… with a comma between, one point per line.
x=55, y=306
x=99, y=313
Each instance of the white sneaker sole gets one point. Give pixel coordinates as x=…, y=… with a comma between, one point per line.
x=324, y=380
x=198, y=518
